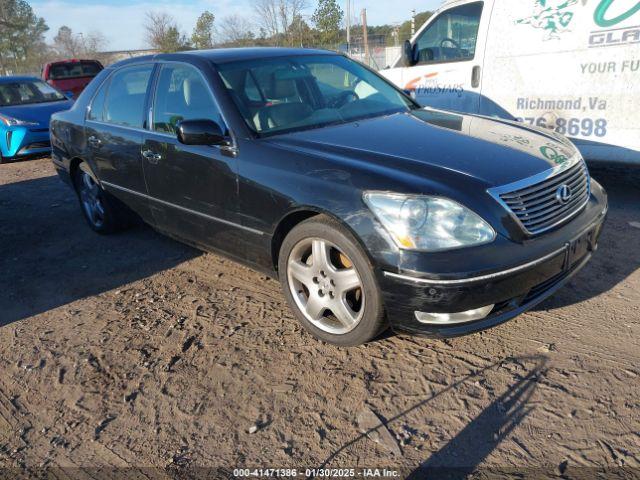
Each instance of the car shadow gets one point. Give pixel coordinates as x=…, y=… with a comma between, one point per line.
x=617, y=256
x=463, y=453
x=49, y=257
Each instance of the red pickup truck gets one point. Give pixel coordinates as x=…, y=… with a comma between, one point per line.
x=71, y=76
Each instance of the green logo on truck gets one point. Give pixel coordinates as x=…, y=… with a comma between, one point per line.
x=601, y=12
x=555, y=16
x=552, y=16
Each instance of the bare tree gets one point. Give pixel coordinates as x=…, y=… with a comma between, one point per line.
x=289, y=11
x=93, y=43
x=67, y=44
x=266, y=12
x=236, y=31
x=162, y=33
x=276, y=16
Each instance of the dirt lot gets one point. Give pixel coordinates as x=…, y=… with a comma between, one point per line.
x=134, y=351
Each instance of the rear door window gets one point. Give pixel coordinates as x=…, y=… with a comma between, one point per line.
x=96, y=111
x=126, y=96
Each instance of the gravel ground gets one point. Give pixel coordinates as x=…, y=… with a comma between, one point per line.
x=136, y=352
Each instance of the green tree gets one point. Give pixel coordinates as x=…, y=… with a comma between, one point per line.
x=174, y=41
x=328, y=19
x=300, y=34
x=404, y=32
x=236, y=32
x=21, y=37
x=202, y=37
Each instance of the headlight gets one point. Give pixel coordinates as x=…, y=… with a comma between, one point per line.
x=428, y=223
x=13, y=122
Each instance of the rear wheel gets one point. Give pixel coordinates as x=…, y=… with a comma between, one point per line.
x=329, y=283
x=101, y=211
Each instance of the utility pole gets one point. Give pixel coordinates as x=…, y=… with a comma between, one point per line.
x=349, y=26
x=396, y=35
x=365, y=35
x=413, y=22
x=84, y=44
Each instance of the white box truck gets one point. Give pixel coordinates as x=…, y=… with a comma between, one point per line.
x=569, y=65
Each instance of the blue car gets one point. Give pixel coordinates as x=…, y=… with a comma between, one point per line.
x=26, y=106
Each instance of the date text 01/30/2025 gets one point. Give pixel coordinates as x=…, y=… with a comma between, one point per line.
x=315, y=473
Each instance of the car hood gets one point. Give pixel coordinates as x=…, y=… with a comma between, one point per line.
x=494, y=152
x=37, y=112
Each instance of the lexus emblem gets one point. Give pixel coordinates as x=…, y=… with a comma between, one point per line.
x=564, y=194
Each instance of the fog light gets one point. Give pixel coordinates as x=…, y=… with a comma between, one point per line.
x=453, y=318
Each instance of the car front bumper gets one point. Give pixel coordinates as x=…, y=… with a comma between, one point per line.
x=512, y=289
x=24, y=142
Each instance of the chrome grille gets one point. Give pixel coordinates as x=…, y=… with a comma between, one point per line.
x=540, y=205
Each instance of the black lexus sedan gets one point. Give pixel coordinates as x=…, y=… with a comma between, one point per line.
x=307, y=166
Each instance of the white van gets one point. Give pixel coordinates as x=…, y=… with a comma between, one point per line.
x=569, y=65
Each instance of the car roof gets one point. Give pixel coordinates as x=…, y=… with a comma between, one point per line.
x=225, y=55
x=72, y=61
x=12, y=79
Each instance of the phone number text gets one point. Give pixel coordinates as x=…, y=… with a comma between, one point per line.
x=586, y=127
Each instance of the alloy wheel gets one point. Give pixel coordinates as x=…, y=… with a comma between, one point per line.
x=92, y=201
x=326, y=286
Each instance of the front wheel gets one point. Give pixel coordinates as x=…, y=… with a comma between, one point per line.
x=329, y=283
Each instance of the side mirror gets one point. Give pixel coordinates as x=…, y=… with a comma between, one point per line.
x=69, y=95
x=408, y=56
x=200, y=132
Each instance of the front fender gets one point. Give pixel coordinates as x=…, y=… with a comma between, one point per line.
x=276, y=186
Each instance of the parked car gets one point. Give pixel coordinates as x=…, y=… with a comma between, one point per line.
x=306, y=165
x=26, y=105
x=71, y=76
x=566, y=65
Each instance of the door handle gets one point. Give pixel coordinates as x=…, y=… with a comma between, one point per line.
x=94, y=141
x=475, y=76
x=152, y=157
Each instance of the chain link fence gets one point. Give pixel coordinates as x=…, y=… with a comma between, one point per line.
x=379, y=55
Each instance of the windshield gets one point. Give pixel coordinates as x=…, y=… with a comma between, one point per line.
x=278, y=95
x=62, y=71
x=26, y=92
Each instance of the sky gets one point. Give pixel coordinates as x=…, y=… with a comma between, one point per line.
x=121, y=21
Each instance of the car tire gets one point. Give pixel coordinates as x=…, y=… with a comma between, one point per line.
x=104, y=213
x=323, y=268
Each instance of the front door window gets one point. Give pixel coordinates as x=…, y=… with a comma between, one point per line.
x=182, y=94
x=451, y=37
